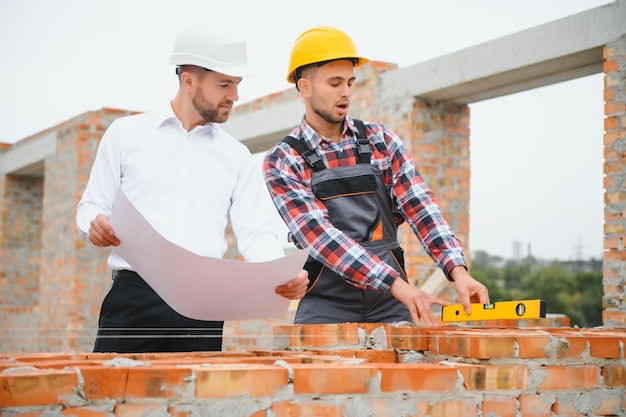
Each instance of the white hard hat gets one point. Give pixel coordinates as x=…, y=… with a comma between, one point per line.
x=209, y=45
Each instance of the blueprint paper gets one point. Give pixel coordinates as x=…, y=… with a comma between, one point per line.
x=201, y=287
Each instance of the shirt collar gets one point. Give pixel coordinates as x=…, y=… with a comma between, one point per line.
x=166, y=115
x=313, y=139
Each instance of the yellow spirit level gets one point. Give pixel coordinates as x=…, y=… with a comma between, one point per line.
x=524, y=309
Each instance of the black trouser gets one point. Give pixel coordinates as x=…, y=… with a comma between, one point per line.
x=134, y=319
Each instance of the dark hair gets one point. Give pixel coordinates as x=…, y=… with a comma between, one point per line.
x=194, y=69
x=298, y=72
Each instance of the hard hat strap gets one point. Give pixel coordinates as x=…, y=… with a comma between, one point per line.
x=181, y=68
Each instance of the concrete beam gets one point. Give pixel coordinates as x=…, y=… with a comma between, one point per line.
x=27, y=159
x=261, y=129
x=558, y=51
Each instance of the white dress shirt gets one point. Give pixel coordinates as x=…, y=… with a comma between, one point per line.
x=186, y=185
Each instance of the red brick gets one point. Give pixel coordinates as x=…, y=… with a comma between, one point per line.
x=609, y=405
x=493, y=377
x=139, y=410
x=104, y=382
x=499, y=405
x=610, y=65
x=614, y=375
x=605, y=344
x=453, y=408
x=568, y=377
x=407, y=338
x=473, y=344
x=535, y=405
x=41, y=387
x=388, y=407
x=559, y=344
x=332, y=379
x=157, y=381
x=307, y=408
x=610, y=123
x=223, y=381
x=367, y=355
x=566, y=408
x=417, y=377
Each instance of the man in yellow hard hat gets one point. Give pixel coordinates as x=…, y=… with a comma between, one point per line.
x=343, y=186
x=188, y=178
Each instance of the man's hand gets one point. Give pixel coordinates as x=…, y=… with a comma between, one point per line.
x=296, y=288
x=101, y=233
x=469, y=290
x=417, y=301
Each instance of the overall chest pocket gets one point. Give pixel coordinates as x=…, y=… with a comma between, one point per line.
x=352, y=204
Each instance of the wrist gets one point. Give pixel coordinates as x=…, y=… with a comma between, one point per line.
x=457, y=272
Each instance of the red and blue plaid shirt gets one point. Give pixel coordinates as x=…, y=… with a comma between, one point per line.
x=288, y=178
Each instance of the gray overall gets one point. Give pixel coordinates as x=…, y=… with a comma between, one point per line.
x=358, y=204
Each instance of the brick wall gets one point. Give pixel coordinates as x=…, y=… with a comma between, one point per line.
x=21, y=237
x=614, y=264
x=52, y=282
x=351, y=370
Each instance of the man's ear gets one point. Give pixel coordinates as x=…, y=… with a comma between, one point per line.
x=304, y=86
x=187, y=79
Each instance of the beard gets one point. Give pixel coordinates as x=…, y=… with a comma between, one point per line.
x=325, y=115
x=207, y=110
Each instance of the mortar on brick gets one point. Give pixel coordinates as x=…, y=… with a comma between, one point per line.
x=125, y=362
x=77, y=398
x=400, y=407
x=229, y=408
x=411, y=357
x=377, y=339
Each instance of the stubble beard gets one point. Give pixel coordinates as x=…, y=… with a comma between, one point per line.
x=326, y=116
x=209, y=113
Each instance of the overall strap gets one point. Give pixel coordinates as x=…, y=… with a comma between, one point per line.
x=363, y=143
x=315, y=162
x=311, y=158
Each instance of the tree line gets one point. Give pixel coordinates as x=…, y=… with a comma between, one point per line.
x=572, y=288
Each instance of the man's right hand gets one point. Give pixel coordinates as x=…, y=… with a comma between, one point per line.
x=417, y=301
x=101, y=233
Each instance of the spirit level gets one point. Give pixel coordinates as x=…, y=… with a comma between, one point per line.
x=524, y=309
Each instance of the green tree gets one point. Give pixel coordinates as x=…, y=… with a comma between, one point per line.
x=575, y=292
x=552, y=283
x=588, y=303
x=491, y=278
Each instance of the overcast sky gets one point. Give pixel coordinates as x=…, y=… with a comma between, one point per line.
x=536, y=156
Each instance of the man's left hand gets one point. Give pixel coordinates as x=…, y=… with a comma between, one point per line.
x=296, y=288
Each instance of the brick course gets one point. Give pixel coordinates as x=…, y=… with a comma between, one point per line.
x=332, y=370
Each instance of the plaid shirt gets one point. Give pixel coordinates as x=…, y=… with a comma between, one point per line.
x=288, y=178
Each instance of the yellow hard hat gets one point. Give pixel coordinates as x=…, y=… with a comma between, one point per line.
x=320, y=44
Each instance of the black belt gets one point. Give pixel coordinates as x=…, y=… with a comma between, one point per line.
x=125, y=273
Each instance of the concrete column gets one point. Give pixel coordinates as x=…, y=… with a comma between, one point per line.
x=614, y=267
x=440, y=147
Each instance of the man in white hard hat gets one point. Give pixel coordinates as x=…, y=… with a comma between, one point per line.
x=343, y=186
x=187, y=177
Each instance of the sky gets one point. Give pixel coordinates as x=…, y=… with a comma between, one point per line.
x=536, y=157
